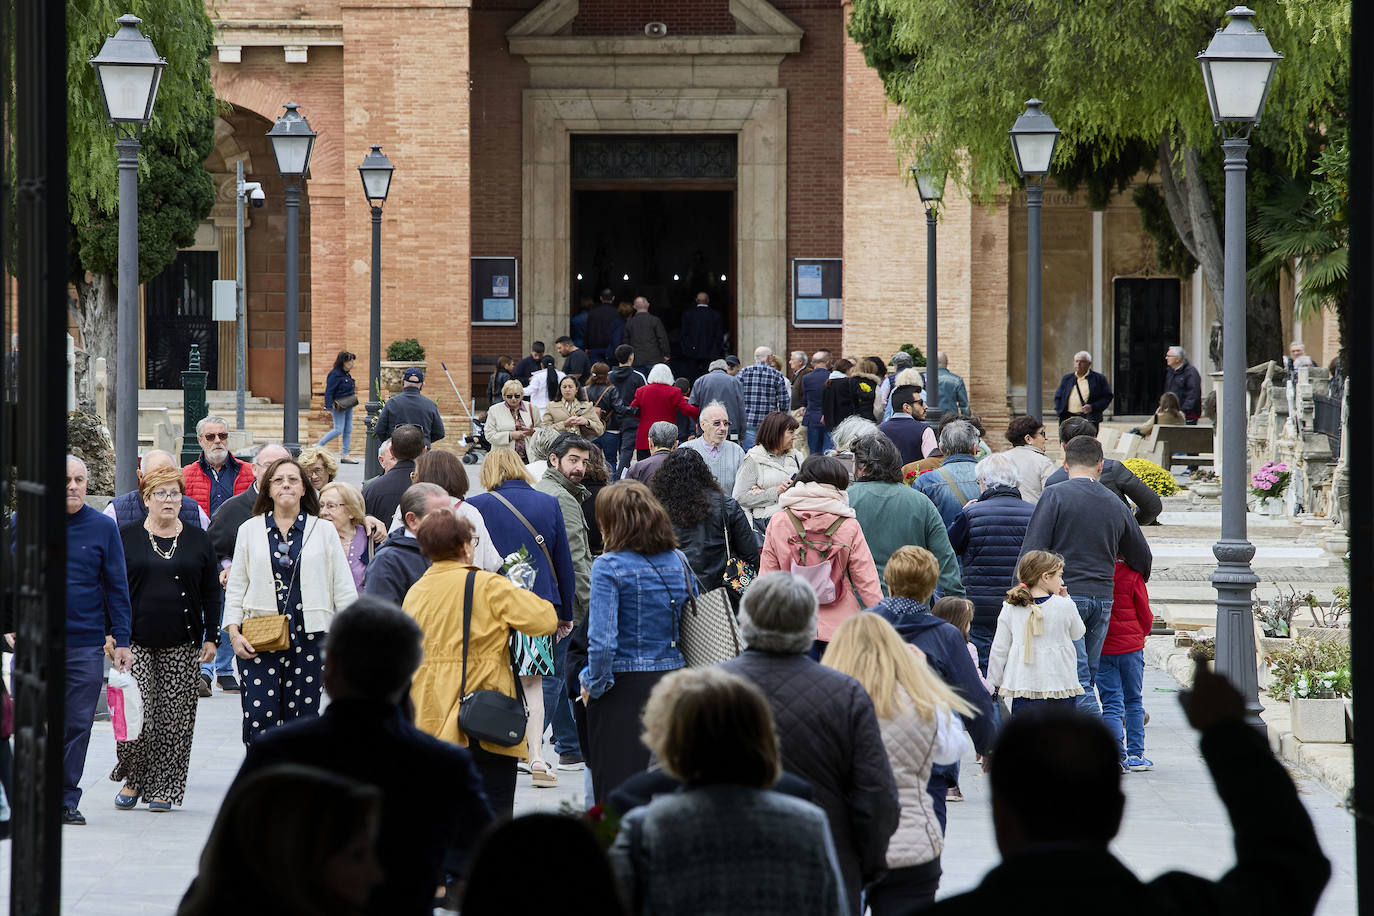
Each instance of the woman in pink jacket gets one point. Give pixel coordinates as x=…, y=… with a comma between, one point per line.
x=815, y=536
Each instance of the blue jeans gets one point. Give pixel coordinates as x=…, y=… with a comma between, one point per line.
x=609, y=443
x=85, y=673
x=1096, y=614
x=943, y=776
x=818, y=440
x=557, y=706
x=746, y=441
x=343, y=426
x=223, y=665
x=1120, y=679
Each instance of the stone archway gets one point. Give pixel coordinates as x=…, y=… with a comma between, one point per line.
x=624, y=85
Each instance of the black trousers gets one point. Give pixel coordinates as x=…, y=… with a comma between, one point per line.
x=905, y=890
x=498, y=775
x=614, y=750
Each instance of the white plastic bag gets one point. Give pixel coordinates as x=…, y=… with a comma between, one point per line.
x=126, y=705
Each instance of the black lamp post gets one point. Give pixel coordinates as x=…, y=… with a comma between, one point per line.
x=1033, y=138
x=128, y=72
x=930, y=184
x=1237, y=67
x=376, y=172
x=292, y=143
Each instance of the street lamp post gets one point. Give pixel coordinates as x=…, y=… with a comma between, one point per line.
x=292, y=143
x=930, y=184
x=128, y=71
x=1033, y=138
x=1237, y=68
x=376, y=171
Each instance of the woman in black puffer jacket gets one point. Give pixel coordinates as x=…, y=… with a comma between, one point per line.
x=702, y=515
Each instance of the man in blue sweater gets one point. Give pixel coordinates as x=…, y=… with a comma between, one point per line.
x=97, y=605
x=398, y=563
x=1083, y=522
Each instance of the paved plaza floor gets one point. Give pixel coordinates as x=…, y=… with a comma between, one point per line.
x=136, y=862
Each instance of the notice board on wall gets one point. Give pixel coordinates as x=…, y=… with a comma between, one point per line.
x=817, y=292
x=495, y=291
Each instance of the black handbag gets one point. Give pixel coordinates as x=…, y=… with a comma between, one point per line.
x=489, y=715
x=347, y=402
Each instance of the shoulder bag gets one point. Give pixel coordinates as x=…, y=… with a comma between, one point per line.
x=347, y=402
x=817, y=576
x=538, y=538
x=488, y=715
x=707, y=631
x=272, y=633
x=599, y=412
x=738, y=574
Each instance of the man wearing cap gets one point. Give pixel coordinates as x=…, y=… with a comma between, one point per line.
x=900, y=360
x=410, y=407
x=732, y=364
x=719, y=385
x=703, y=336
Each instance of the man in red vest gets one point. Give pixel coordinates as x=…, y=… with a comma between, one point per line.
x=216, y=475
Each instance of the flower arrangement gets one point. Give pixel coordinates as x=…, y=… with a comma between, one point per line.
x=1270, y=481
x=1311, y=667
x=1154, y=476
x=909, y=478
x=1204, y=650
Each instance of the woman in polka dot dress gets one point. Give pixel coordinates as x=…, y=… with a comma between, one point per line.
x=286, y=561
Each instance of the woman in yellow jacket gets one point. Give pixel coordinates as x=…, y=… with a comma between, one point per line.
x=498, y=606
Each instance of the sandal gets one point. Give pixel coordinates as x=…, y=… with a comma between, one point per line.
x=125, y=802
x=541, y=776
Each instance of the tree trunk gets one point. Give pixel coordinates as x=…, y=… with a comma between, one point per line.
x=96, y=313
x=1190, y=207
x=1263, y=324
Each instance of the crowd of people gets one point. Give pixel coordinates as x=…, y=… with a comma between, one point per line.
x=895, y=595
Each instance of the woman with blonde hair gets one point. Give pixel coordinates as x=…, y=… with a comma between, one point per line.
x=462, y=657
x=918, y=714
x=714, y=731
x=1033, y=659
x=509, y=422
x=342, y=505
x=319, y=465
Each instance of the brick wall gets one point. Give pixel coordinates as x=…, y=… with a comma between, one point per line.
x=815, y=154
x=326, y=10
x=628, y=17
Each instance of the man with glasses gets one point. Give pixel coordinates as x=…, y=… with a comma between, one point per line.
x=720, y=387
x=128, y=508
x=216, y=475
x=722, y=456
x=224, y=531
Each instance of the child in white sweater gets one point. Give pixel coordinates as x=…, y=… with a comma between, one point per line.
x=1032, y=658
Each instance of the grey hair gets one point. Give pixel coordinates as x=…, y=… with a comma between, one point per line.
x=205, y=421
x=257, y=459
x=959, y=438
x=778, y=614
x=716, y=405
x=797, y=354
x=909, y=376
x=761, y=354
x=1083, y=353
x=539, y=443
x=998, y=471
x=879, y=458
x=942, y=360
x=386, y=444
x=901, y=358
x=85, y=470
x=663, y=434
x=1180, y=352
x=417, y=497
x=850, y=430
x=159, y=451
x=661, y=375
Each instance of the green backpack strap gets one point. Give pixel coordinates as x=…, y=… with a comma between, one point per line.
x=803, y=542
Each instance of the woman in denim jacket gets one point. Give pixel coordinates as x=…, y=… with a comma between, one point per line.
x=639, y=586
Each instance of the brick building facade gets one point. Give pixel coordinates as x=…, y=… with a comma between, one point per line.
x=479, y=105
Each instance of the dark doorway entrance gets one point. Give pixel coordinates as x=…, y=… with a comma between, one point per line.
x=1147, y=323
x=179, y=313
x=665, y=245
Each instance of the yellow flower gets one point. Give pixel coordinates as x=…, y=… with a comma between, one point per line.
x=1154, y=476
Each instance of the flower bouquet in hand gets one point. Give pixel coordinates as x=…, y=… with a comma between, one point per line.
x=1270, y=481
x=518, y=568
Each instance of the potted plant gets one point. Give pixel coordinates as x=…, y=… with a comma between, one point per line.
x=1154, y=476
x=400, y=356
x=1206, y=484
x=1205, y=650
x=1327, y=620
x=1314, y=676
x=1268, y=485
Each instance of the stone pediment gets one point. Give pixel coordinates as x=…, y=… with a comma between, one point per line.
x=760, y=31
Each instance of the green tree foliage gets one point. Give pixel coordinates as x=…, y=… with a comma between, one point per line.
x=1120, y=79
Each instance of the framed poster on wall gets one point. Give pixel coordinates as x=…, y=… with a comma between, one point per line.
x=495, y=291
x=817, y=292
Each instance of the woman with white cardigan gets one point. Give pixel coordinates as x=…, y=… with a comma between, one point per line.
x=286, y=562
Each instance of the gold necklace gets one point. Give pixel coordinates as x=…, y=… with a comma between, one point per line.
x=152, y=542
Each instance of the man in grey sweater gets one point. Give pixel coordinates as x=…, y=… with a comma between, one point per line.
x=1088, y=526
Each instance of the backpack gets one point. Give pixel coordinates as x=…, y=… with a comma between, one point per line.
x=818, y=576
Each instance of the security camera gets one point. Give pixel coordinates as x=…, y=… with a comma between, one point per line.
x=656, y=29
x=255, y=196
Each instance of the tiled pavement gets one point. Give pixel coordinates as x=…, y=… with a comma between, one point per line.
x=135, y=862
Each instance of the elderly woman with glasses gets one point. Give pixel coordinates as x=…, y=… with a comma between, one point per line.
x=320, y=467
x=174, y=589
x=342, y=505
x=286, y=563
x=510, y=423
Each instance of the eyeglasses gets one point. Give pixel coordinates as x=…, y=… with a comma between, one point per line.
x=215, y=437
x=331, y=506
x=513, y=397
x=166, y=496
x=718, y=423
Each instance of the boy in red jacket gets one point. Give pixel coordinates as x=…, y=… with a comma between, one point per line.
x=1121, y=676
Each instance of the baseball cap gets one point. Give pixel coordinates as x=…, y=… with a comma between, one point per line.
x=414, y=374
x=731, y=361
